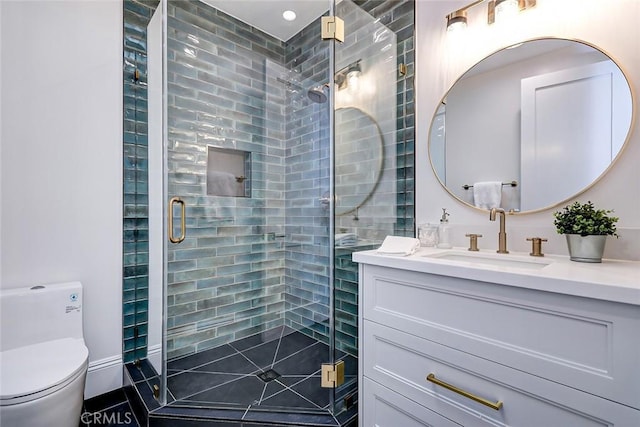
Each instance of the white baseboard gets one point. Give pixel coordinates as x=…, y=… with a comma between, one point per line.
x=154, y=354
x=103, y=375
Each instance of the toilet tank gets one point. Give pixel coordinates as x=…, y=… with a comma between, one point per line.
x=40, y=313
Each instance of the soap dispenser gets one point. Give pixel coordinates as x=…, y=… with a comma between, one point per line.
x=444, y=231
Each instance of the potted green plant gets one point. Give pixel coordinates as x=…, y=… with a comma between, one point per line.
x=586, y=229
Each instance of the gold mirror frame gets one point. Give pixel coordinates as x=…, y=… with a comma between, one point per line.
x=586, y=188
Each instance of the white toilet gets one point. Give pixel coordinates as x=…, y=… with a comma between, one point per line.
x=43, y=358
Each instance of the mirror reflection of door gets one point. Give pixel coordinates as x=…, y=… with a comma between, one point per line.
x=570, y=120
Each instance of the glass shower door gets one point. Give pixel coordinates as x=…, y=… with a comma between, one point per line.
x=287, y=154
x=248, y=214
x=365, y=167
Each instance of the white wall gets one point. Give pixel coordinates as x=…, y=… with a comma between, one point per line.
x=61, y=176
x=441, y=59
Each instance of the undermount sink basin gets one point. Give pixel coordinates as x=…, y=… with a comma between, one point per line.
x=500, y=260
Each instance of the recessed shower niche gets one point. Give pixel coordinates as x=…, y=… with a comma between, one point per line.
x=228, y=172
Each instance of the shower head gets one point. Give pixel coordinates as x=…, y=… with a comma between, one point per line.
x=317, y=94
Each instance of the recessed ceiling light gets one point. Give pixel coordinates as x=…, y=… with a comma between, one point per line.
x=289, y=15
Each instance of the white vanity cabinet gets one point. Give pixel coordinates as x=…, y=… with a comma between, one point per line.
x=532, y=357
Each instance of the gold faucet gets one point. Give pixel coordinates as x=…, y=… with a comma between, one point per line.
x=502, y=235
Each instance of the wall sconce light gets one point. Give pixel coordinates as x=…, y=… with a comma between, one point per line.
x=503, y=10
x=349, y=75
x=457, y=20
x=497, y=10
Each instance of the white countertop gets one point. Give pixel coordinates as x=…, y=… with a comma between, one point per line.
x=611, y=280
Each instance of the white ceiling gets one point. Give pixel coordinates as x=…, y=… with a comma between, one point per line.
x=266, y=15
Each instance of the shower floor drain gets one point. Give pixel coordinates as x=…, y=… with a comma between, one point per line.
x=269, y=375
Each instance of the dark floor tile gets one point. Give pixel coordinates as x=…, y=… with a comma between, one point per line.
x=261, y=338
x=191, y=382
x=348, y=389
x=348, y=418
x=243, y=391
x=197, y=359
x=137, y=405
x=304, y=362
x=104, y=401
x=272, y=388
x=134, y=372
x=350, y=365
x=263, y=354
x=287, y=399
x=119, y=415
x=145, y=391
x=293, y=343
x=289, y=380
x=235, y=364
x=312, y=390
x=147, y=369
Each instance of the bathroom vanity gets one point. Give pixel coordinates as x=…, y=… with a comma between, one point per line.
x=450, y=337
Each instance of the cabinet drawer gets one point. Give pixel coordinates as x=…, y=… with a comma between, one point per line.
x=402, y=362
x=583, y=343
x=382, y=407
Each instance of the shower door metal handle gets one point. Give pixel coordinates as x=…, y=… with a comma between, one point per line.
x=183, y=233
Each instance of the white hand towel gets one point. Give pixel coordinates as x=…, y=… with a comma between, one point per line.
x=396, y=245
x=487, y=195
x=221, y=184
x=346, y=239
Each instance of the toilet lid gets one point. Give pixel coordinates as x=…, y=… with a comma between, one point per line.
x=31, y=369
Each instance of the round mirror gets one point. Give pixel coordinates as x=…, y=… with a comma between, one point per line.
x=531, y=126
x=358, y=158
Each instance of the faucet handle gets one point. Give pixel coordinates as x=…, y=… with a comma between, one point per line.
x=473, y=241
x=536, y=245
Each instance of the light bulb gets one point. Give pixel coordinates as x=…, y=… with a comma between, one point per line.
x=506, y=9
x=457, y=26
x=353, y=80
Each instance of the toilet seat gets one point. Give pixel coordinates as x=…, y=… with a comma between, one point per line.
x=34, y=371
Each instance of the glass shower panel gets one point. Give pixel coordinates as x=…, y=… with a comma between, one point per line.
x=365, y=167
x=248, y=297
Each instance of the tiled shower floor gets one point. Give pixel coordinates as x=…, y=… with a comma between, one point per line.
x=276, y=370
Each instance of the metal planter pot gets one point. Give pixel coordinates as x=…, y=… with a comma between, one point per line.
x=586, y=248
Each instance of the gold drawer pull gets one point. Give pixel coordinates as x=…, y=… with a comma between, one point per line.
x=497, y=405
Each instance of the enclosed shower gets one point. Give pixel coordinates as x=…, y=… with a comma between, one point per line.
x=269, y=162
